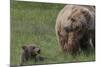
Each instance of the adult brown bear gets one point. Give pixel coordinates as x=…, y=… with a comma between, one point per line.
x=75, y=28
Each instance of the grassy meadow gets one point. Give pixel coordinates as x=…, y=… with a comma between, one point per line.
x=33, y=22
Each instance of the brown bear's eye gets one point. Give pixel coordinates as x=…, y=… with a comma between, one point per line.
x=73, y=19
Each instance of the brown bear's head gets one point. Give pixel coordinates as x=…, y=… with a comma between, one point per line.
x=75, y=27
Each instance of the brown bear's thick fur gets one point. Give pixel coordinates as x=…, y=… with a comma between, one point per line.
x=75, y=28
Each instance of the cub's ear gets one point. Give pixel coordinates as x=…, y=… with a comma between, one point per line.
x=23, y=47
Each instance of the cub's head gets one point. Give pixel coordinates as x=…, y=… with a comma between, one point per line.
x=31, y=49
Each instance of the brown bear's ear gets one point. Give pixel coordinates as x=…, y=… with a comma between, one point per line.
x=93, y=7
x=23, y=47
x=86, y=15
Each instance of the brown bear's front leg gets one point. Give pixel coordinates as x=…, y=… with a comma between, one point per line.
x=61, y=41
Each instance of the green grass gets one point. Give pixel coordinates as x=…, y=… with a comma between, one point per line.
x=35, y=23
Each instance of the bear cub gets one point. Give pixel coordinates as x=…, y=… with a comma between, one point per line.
x=31, y=52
